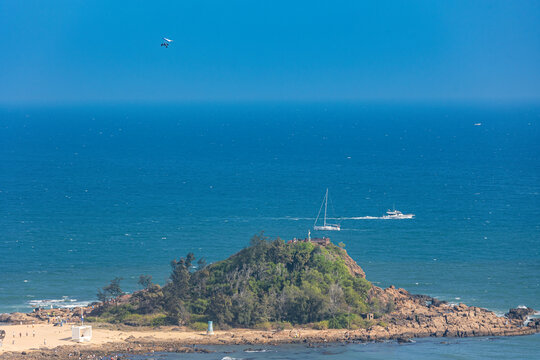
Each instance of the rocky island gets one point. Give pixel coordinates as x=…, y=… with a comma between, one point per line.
x=272, y=292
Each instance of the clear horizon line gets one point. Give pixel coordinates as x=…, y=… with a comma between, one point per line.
x=184, y=102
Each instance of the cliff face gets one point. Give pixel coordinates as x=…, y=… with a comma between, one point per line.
x=353, y=267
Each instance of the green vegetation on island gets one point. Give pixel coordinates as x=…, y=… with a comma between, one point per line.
x=270, y=284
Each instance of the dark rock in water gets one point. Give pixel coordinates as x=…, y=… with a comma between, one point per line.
x=534, y=323
x=519, y=313
x=404, y=340
x=427, y=300
x=421, y=298
x=437, y=302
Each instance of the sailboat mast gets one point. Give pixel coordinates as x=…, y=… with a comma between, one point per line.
x=325, y=205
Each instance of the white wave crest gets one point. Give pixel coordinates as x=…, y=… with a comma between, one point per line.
x=64, y=302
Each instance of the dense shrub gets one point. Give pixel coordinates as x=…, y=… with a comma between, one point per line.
x=263, y=326
x=199, y=326
x=268, y=283
x=321, y=325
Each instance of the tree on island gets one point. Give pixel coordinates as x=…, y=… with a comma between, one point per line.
x=178, y=291
x=111, y=291
x=145, y=281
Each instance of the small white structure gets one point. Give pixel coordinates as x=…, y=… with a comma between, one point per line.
x=81, y=333
x=210, y=330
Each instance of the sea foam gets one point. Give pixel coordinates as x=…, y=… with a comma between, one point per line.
x=64, y=302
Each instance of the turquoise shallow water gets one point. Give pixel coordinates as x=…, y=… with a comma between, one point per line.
x=90, y=193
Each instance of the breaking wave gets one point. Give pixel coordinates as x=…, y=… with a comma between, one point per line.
x=64, y=302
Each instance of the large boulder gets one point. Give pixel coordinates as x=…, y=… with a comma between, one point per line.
x=16, y=318
x=519, y=313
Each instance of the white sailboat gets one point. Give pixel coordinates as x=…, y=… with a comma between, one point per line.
x=325, y=226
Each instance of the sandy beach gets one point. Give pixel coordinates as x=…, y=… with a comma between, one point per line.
x=30, y=338
x=21, y=338
x=45, y=340
x=45, y=336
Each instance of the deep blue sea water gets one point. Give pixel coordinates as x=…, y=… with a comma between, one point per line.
x=92, y=192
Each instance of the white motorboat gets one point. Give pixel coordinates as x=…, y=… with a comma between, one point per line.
x=325, y=225
x=396, y=214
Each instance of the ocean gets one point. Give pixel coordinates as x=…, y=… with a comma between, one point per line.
x=88, y=193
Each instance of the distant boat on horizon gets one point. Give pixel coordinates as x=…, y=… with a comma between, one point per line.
x=325, y=226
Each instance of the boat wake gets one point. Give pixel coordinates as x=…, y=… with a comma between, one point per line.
x=290, y=218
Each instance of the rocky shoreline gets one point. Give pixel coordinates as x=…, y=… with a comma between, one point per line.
x=124, y=349
x=113, y=350
x=414, y=316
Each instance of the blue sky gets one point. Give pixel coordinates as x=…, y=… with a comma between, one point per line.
x=108, y=51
